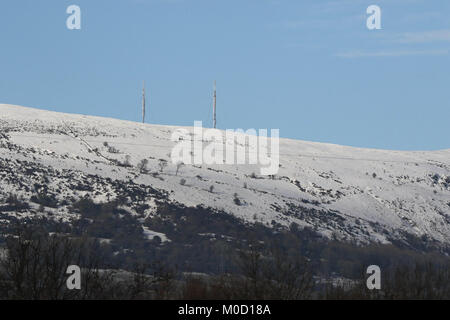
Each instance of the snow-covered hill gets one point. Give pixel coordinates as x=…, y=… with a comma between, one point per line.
x=342, y=192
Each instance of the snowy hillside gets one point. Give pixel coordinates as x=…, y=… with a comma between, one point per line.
x=342, y=192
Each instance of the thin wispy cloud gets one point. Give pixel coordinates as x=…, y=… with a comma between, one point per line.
x=391, y=53
x=424, y=37
x=314, y=23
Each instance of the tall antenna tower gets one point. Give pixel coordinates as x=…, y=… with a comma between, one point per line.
x=214, y=105
x=143, y=102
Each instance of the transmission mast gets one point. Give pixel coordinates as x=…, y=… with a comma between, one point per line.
x=214, y=105
x=143, y=103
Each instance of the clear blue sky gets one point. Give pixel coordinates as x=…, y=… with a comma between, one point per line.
x=310, y=68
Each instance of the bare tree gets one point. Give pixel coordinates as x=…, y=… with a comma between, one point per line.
x=274, y=276
x=179, y=166
x=162, y=164
x=35, y=266
x=142, y=166
x=127, y=162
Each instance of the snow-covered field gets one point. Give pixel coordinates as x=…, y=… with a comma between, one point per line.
x=343, y=192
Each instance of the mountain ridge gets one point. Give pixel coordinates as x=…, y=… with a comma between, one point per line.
x=348, y=193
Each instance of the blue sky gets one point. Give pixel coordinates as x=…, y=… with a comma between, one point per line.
x=310, y=68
